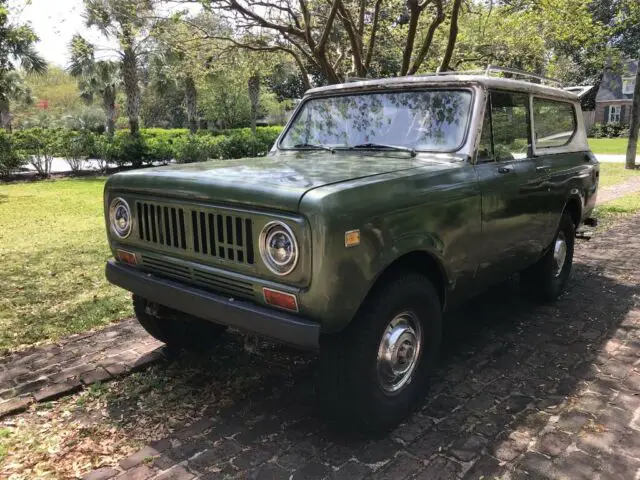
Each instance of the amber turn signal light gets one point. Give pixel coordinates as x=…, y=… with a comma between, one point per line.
x=280, y=299
x=126, y=257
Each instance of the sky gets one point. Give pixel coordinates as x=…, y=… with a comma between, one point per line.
x=55, y=22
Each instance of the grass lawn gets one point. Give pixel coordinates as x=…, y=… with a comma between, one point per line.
x=609, y=212
x=52, y=250
x=616, y=146
x=614, y=173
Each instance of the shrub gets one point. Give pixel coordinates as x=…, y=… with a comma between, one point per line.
x=105, y=151
x=609, y=130
x=76, y=147
x=87, y=117
x=159, y=149
x=192, y=149
x=40, y=146
x=166, y=133
x=128, y=149
x=241, y=142
x=10, y=158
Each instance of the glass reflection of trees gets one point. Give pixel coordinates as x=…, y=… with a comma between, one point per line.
x=432, y=120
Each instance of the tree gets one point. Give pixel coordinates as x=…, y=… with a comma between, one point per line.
x=253, y=88
x=453, y=35
x=163, y=100
x=100, y=78
x=128, y=21
x=622, y=17
x=183, y=56
x=341, y=38
x=558, y=38
x=17, y=50
x=634, y=127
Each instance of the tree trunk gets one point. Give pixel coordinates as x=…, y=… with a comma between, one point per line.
x=191, y=99
x=5, y=115
x=132, y=89
x=109, y=104
x=453, y=35
x=635, y=125
x=254, y=96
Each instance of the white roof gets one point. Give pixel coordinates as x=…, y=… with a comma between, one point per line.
x=462, y=80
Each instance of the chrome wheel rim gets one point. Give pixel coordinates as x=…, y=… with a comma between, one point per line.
x=399, y=352
x=559, y=254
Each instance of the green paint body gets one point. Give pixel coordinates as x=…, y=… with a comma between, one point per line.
x=471, y=222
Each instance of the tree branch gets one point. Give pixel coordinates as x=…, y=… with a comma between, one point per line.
x=263, y=22
x=439, y=18
x=363, y=4
x=271, y=48
x=372, y=37
x=354, y=39
x=322, y=43
x=307, y=23
x=453, y=35
x=414, y=16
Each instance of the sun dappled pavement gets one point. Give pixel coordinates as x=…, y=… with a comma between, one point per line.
x=523, y=391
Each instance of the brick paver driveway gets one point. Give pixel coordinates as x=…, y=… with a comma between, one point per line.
x=523, y=391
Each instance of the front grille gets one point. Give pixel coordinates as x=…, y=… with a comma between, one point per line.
x=197, y=276
x=206, y=232
x=163, y=225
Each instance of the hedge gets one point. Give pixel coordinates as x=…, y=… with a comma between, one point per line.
x=10, y=158
x=39, y=147
x=609, y=130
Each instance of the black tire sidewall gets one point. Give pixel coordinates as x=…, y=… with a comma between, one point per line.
x=351, y=381
x=540, y=280
x=567, y=227
x=553, y=285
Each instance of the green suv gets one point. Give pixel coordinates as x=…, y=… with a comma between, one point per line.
x=383, y=204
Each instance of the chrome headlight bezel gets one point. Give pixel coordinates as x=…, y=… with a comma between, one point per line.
x=114, y=208
x=278, y=268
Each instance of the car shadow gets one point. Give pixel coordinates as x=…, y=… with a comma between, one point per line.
x=506, y=364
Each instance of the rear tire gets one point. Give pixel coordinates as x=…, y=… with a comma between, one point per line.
x=547, y=279
x=178, y=330
x=372, y=374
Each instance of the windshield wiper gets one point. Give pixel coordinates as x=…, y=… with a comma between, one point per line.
x=365, y=146
x=313, y=146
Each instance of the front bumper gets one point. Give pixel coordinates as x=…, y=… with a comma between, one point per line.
x=246, y=316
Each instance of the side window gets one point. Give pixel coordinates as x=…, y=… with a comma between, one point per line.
x=510, y=119
x=485, y=148
x=554, y=122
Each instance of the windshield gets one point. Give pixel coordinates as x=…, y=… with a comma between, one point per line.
x=432, y=120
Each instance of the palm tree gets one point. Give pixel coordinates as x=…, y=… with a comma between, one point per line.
x=17, y=51
x=127, y=21
x=101, y=78
x=168, y=69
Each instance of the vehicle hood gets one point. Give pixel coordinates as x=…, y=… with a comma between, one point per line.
x=277, y=182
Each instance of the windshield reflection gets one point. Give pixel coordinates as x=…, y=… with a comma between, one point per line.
x=431, y=120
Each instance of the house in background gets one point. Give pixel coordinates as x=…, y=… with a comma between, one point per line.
x=615, y=95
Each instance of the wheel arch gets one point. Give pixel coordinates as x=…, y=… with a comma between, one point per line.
x=417, y=261
x=574, y=208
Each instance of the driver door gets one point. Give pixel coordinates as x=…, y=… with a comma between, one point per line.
x=512, y=219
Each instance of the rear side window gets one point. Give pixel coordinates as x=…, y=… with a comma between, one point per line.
x=554, y=122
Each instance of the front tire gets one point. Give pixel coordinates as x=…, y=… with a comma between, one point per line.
x=178, y=330
x=373, y=373
x=547, y=279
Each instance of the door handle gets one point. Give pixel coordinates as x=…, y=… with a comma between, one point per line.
x=505, y=169
x=543, y=169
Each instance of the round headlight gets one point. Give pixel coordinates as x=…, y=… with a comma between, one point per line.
x=120, y=217
x=278, y=248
